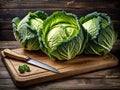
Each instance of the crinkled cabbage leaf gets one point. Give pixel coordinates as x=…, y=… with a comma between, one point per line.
x=101, y=33
x=63, y=37
x=26, y=30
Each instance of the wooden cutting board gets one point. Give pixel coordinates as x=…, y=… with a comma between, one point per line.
x=78, y=65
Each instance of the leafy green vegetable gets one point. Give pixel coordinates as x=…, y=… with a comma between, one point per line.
x=26, y=30
x=101, y=33
x=23, y=68
x=26, y=68
x=62, y=36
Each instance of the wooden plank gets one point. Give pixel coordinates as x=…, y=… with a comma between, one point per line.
x=1, y=63
x=116, y=48
x=6, y=24
x=111, y=73
x=6, y=35
x=6, y=81
x=9, y=44
x=4, y=74
x=60, y=4
x=67, y=84
x=11, y=87
x=3, y=69
x=11, y=13
x=87, y=84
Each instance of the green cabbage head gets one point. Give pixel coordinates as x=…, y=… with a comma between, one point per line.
x=102, y=36
x=26, y=30
x=62, y=36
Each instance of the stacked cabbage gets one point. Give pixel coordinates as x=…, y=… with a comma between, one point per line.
x=62, y=36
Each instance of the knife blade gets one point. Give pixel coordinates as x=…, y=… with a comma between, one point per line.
x=11, y=54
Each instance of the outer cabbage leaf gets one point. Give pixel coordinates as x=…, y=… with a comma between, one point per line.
x=26, y=30
x=63, y=38
x=102, y=36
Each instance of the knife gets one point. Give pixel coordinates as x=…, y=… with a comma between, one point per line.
x=11, y=54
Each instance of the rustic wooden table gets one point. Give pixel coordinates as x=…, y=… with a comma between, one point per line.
x=103, y=79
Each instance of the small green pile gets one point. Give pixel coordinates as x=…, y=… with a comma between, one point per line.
x=63, y=36
x=24, y=68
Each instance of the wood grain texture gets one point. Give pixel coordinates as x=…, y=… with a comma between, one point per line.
x=78, y=65
x=58, y=4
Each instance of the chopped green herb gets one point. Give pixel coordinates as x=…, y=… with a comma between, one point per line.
x=23, y=68
x=26, y=67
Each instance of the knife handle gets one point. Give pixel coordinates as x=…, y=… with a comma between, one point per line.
x=12, y=54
